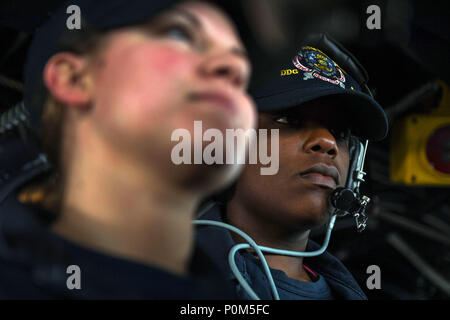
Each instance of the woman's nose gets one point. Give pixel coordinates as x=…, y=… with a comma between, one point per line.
x=228, y=67
x=321, y=140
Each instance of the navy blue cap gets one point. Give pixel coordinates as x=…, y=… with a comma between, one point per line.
x=312, y=75
x=95, y=15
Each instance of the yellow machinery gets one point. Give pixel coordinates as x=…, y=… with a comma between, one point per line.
x=420, y=147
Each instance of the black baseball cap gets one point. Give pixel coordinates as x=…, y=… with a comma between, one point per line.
x=312, y=74
x=50, y=38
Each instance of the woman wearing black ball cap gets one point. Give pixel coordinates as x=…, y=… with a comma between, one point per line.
x=318, y=109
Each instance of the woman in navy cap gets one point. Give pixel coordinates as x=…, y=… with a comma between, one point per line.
x=321, y=113
x=112, y=217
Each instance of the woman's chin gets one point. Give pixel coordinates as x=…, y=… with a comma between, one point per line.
x=207, y=178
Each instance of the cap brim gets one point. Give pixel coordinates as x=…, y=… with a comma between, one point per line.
x=367, y=117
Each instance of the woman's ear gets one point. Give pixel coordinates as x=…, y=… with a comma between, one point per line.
x=66, y=78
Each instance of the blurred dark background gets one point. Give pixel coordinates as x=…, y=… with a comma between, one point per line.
x=408, y=234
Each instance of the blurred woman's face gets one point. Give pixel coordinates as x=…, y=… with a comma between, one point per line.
x=187, y=64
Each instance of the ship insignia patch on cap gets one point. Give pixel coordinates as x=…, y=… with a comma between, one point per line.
x=315, y=64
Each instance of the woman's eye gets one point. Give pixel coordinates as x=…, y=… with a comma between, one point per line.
x=289, y=120
x=283, y=120
x=178, y=32
x=340, y=135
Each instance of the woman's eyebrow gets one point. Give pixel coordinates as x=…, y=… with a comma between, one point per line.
x=187, y=15
x=238, y=51
x=241, y=52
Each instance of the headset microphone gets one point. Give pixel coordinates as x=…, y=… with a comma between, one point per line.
x=346, y=201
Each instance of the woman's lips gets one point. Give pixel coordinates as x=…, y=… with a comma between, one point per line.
x=214, y=98
x=319, y=179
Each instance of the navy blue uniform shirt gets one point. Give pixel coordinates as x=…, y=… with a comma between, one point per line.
x=331, y=280
x=34, y=262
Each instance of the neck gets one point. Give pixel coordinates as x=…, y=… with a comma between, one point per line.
x=268, y=234
x=123, y=208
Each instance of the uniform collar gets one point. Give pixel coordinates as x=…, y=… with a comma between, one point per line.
x=218, y=242
x=27, y=242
